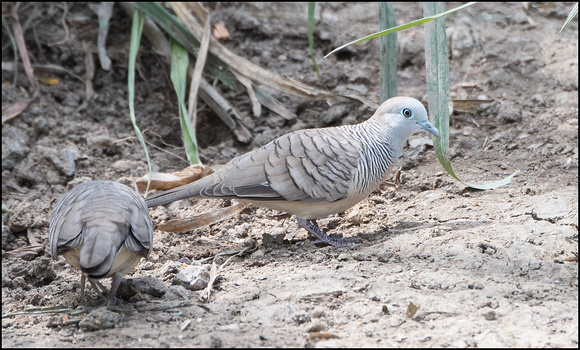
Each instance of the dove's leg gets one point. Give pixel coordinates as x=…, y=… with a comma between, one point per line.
x=99, y=288
x=111, y=299
x=312, y=227
x=83, y=280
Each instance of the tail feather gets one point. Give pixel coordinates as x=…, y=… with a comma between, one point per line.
x=172, y=195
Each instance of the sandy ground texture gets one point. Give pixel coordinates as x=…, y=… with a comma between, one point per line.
x=438, y=265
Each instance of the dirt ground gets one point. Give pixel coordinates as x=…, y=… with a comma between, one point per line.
x=492, y=268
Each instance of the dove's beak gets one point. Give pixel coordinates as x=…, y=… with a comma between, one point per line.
x=427, y=126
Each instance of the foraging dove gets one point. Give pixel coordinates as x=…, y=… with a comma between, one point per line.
x=102, y=228
x=315, y=172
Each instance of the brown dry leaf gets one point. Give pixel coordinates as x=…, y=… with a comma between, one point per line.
x=203, y=219
x=12, y=110
x=546, y=5
x=411, y=310
x=165, y=181
x=24, y=252
x=220, y=31
x=574, y=257
x=315, y=336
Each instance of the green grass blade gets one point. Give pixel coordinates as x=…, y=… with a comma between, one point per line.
x=437, y=69
x=136, y=30
x=401, y=27
x=388, y=72
x=4, y=213
x=179, y=63
x=571, y=16
x=311, y=9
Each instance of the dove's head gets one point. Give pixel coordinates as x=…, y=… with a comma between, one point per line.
x=404, y=116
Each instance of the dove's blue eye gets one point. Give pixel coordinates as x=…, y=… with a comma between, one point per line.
x=407, y=113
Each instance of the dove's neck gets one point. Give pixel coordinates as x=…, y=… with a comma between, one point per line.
x=380, y=147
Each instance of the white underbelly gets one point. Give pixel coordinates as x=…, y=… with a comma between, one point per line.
x=310, y=211
x=321, y=210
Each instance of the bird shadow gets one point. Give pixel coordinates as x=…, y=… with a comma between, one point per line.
x=403, y=227
x=373, y=237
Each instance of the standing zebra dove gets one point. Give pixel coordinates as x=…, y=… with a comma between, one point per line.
x=315, y=172
x=102, y=228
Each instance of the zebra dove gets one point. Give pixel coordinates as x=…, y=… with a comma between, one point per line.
x=315, y=172
x=102, y=228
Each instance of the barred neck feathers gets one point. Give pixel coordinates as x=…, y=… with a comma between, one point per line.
x=378, y=151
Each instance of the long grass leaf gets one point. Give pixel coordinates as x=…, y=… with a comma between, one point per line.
x=388, y=71
x=572, y=14
x=179, y=62
x=136, y=30
x=401, y=27
x=437, y=69
x=311, y=9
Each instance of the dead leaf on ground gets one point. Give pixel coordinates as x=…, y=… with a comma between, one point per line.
x=165, y=181
x=203, y=219
x=574, y=257
x=316, y=336
x=24, y=252
x=411, y=310
x=220, y=31
x=12, y=110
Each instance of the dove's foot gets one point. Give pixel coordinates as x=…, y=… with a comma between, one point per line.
x=312, y=227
